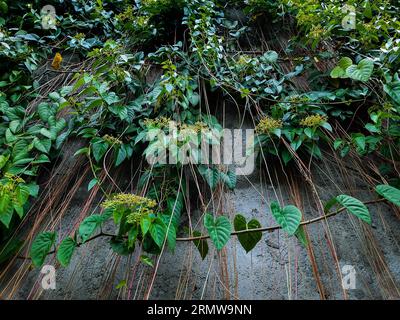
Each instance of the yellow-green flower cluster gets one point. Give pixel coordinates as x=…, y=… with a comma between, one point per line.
x=314, y=120
x=268, y=124
x=387, y=106
x=142, y=21
x=111, y=139
x=10, y=186
x=160, y=122
x=13, y=178
x=196, y=127
x=317, y=32
x=79, y=36
x=138, y=206
x=299, y=99
x=127, y=14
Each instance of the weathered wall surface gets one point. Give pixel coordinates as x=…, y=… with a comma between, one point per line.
x=278, y=268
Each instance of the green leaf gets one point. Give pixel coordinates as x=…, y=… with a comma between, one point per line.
x=132, y=236
x=89, y=225
x=301, y=236
x=6, y=209
x=145, y=223
x=22, y=194
x=48, y=134
x=33, y=189
x=171, y=235
x=211, y=175
x=359, y=140
x=229, y=179
x=99, y=149
x=327, y=126
x=42, y=145
x=120, y=246
x=175, y=208
x=158, y=232
x=270, y=56
x=345, y=62
x=362, y=71
x=169, y=87
x=345, y=150
x=286, y=156
x=309, y=132
x=41, y=247
x=288, y=218
x=14, y=125
x=201, y=244
x=65, y=251
x=9, y=136
x=44, y=111
x=250, y=239
x=121, y=284
x=393, y=89
x=147, y=260
x=84, y=151
x=121, y=156
x=218, y=229
x=372, y=128
x=340, y=70
x=3, y=160
x=55, y=96
x=388, y=192
x=337, y=143
x=92, y=183
x=355, y=207
x=60, y=124
x=194, y=99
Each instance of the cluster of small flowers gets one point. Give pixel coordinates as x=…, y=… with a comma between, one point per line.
x=160, y=122
x=138, y=206
x=268, y=124
x=314, y=120
x=111, y=140
x=13, y=178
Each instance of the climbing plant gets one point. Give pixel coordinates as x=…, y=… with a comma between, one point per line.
x=150, y=68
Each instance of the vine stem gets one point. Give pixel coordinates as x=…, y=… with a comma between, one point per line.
x=273, y=228
x=235, y=233
x=101, y=234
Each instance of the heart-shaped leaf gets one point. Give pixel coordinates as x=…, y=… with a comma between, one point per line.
x=41, y=247
x=218, y=229
x=288, y=218
x=301, y=235
x=390, y=193
x=65, y=251
x=355, y=207
x=250, y=239
x=229, y=179
x=201, y=245
x=345, y=62
x=340, y=70
x=362, y=71
x=158, y=231
x=211, y=175
x=393, y=89
x=270, y=56
x=90, y=224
